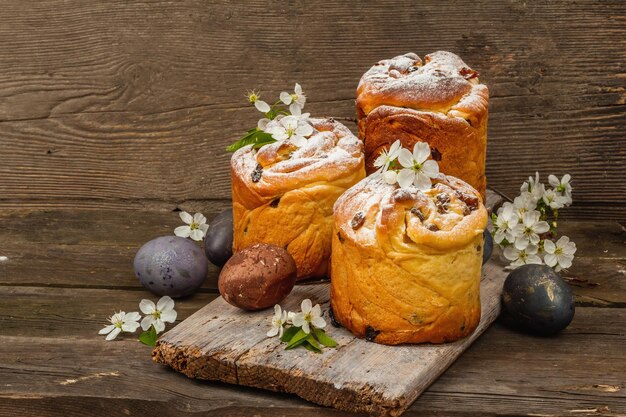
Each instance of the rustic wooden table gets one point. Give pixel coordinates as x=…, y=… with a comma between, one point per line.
x=66, y=271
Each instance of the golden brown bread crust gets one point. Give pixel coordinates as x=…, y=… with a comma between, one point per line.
x=440, y=102
x=284, y=195
x=406, y=264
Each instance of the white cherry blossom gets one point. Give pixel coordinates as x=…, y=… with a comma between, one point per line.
x=553, y=199
x=309, y=316
x=534, y=187
x=294, y=100
x=519, y=257
x=157, y=315
x=292, y=128
x=562, y=186
x=121, y=322
x=387, y=157
x=523, y=203
x=505, y=224
x=195, y=228
x=417, y=170
x=527, y=232
x=278, y=321
x=390, y=177
x=255, y=98
x=559, y=255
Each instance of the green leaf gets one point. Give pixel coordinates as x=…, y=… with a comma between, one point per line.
x=297, y=339
x=263, y=138
x=308, y=346
x=313, y=342
x=149, y=337
x=323, y=338
x=254, y=137
x=289, y=333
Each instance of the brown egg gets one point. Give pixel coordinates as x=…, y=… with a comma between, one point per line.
x=258, y=277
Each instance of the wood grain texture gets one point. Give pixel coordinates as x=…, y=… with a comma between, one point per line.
x=223, y=343
x=130, y=104
x=95, y=249
x=502, y=373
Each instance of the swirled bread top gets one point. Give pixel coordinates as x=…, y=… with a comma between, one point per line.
x=330, y=154
x=450, y=214
x=442, y=83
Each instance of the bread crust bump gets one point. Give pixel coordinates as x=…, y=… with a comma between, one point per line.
x=439, y=101
x=284, y=195
x=406, y=264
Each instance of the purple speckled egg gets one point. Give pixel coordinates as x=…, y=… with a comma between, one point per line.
x=171, y=265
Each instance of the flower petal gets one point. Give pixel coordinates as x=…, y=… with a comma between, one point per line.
x=147, y=306
x=278, y=311
x=306, y=328
x=132, y=316
x=430, y=168
x=304, y=129
x=262, y=106
x=405, y=178
x=421, y=152
x=147, y=322
x=297, y=89
x=511, y=253
x=297, y=140
x=541, y=227
x=199, y=218
x=113, y=334
x=549, y=246
x=204, y=227
x=306, y=305
x=297, y=319
x=405, y=158
x=197, y=235
x=130, y=327
x=169, y=316
x=285, y=97
x=395, y=148
x=316, y=311
x=165, y=303
x=521, y=243
x=182, y=231
x=159, y=326
x=262, y=123
x=273, y=331
x=279, y=134
x=318, y=322
x=295, y=109
x=185, y=217
x=422, y=182
x=390, y=177
x=553, y=180
x=550, y=259
x=106, y=329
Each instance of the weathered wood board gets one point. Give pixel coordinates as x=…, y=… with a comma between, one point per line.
x=223, y=343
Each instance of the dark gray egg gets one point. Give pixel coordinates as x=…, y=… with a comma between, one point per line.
x=218, y=243
x=171, y=265
x=537, y=300
x=487, y=246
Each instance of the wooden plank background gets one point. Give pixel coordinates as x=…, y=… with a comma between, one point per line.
x=121, y=104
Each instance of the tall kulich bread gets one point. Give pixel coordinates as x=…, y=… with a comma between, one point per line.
x=439, y=101
x=406, y=264
x=284, y=195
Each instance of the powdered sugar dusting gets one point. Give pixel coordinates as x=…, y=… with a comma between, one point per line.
x=437, y=85
x=330, y=153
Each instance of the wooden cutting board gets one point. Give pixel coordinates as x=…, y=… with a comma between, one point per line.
x=222, y=343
